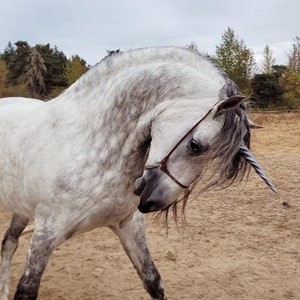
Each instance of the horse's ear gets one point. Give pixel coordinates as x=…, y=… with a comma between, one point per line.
x=229, y=103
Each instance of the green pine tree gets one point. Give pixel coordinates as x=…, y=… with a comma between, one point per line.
x=235, y=59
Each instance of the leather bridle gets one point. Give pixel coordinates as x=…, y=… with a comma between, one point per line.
x=162, y=165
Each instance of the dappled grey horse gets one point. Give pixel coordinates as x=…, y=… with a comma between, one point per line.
x=132, y=135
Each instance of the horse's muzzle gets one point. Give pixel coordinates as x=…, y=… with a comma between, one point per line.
x=147, y=188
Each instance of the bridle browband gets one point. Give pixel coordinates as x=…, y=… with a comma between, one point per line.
x=162, y=165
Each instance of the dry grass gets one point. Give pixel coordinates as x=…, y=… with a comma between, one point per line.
x=279, y=117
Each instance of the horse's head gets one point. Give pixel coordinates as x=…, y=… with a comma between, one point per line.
x=186, y=141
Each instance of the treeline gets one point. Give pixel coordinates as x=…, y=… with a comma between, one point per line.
x=43, y=72
x=40, y=71
x=271, y=87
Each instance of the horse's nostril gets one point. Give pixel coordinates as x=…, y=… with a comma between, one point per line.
x=148, y=206
x=140, y=184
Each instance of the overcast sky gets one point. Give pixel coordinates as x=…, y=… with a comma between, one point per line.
x=90, y=27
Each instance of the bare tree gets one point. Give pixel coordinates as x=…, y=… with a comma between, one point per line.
x=294, y=57
x=269, y=60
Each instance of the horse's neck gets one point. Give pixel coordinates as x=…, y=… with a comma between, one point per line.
x=116, y=106
x=114, y=126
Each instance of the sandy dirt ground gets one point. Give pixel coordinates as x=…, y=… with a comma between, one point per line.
x=239, y=243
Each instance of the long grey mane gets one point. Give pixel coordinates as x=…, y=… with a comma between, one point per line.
x=227, y=162
x=226, y=145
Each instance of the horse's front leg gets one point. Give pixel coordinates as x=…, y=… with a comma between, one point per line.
x=9, y=246
x=132, y=236
x=46, y=237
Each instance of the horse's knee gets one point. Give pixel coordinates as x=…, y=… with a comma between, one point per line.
x=11, y=238
x=26, y=292
x=155, y=288
x=27, y=288
x=44, y=240
x=8, y=244
x=152, y=281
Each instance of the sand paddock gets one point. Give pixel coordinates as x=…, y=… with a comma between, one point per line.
x=239, y=243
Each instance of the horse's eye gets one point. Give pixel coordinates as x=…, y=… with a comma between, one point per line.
x=196, y=148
